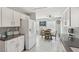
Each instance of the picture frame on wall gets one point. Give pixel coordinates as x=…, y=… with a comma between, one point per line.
x=42, y=23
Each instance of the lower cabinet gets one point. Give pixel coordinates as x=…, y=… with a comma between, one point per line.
x=20, y=43
x=12, y=45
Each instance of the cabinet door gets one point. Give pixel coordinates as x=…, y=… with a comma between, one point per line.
x=0, y=17
x=2, y=46
x=7, y=17
x=75, y=17
x=12, y=45
x=20, y=43
x=16, y=18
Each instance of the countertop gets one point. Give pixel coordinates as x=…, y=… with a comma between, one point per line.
x=64, y=39
x=68, y=44
x=10, y=37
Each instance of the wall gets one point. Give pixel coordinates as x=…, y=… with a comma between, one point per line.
x=76, y=31
x=75, y=16
x=50, y=24
x=2, y=30
x=33, y=16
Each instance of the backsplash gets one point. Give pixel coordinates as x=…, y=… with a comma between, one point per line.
x=76, y=31
x=4, y=29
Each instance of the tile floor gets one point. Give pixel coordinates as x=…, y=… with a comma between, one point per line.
x=43, y=45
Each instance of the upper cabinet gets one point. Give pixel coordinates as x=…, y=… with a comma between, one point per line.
x=10, y=17
x=0, y=17
x=7, y=17
x=75, y=17
x=17, y=18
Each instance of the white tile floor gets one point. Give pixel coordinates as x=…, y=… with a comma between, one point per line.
x=43, y=45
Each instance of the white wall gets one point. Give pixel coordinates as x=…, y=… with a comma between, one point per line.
x=50, y=24
x=75, y=17
x=33, y=16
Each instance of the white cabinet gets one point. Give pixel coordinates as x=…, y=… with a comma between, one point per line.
x=0, y=17
x=11, y=45
x=75, y=16
x=10, y=18
x=16, y=18
x=20, y=43
x=7, y=17
x=2, y=46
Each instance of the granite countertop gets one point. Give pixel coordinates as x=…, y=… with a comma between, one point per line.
x=10, y=37
x=64, y=40
x=68, y=43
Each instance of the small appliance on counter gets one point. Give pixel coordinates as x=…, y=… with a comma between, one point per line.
x=71, y=31
x=4, y=35
x=10, y=33
x=16, y=32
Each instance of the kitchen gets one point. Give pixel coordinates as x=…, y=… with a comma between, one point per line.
x=12, y=33
x=20, y=29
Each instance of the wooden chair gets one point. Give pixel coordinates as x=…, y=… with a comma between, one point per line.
x=54, y=35
x=47, y=34
x=42, y=33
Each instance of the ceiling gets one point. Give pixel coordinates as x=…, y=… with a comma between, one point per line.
x=41, y=12
x=50, y=11
x=27, y=9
